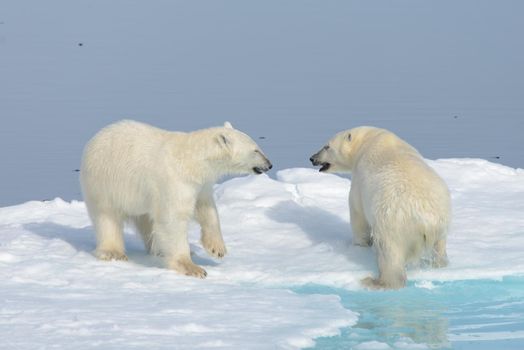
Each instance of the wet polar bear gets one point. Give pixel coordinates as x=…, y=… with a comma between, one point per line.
x=160, y=180
x=396, y=201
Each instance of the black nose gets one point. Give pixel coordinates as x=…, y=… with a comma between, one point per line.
x=270, y=166
x=311, y=160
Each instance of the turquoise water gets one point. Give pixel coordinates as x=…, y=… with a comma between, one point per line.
x=476, y=314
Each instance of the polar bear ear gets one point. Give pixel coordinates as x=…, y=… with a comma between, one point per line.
x=223, y=141
x=228, y=125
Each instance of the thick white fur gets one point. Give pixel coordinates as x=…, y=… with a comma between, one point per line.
x=397, y=202
x=160, y=180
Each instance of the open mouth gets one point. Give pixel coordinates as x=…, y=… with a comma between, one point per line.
x=258, y=170
x=324, y=167
x=262, y=169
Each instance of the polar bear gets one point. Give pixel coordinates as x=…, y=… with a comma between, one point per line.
x=396, y=201
x=160, y=180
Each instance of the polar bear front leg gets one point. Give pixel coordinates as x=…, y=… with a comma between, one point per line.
x=173, y=243
x=207, y=216
x=170, y=226
x=360, y=227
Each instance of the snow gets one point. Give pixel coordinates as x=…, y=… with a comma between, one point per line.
x=280, y=233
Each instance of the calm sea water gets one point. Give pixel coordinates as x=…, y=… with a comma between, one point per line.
x=473, y=315
x=446, y=76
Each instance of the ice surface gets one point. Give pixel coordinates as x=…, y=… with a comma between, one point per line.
x=281, y=234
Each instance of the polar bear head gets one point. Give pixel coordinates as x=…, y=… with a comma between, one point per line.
x=342, y=151
x=239, y=153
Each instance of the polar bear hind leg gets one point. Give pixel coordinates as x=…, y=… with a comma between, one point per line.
x=440, y=257
x=392, y=268
x=144, y=226
x=109, y=237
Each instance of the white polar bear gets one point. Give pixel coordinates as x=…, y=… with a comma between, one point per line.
x=160, y=180
x=397, y=202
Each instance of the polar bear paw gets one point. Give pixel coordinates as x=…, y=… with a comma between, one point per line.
x=378, y=284
x=362, y=242
x=188, y=268
x=110, y=255
x=439, y=261
x=214, y=246
x=372, y=283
